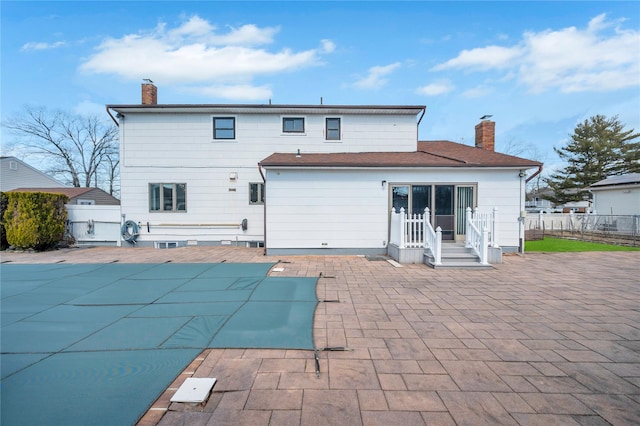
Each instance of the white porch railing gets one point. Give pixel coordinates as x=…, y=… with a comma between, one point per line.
x=486, y=220
x=477, y=237
x=415, y=231
x=432, y=239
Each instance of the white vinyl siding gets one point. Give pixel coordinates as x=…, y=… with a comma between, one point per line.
x=16, y=174
x=177, y=147
x=349, y=209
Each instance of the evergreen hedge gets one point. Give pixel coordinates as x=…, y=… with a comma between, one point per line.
x=3, y=207
x=35, y=220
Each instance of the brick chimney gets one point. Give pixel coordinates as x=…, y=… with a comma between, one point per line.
x=486, y=135
x=149, y=94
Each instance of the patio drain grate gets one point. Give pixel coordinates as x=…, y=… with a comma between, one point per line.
x=372, y=258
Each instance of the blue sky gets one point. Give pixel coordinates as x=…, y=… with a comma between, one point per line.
x=538, y=67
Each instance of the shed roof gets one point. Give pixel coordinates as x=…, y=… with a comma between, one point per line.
x=628, y=179
x=429, y=154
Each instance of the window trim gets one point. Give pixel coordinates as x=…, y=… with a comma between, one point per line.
x=223, y=117
x=294, y=132
x=326, y=129
x=260, y=200
x=174, y=200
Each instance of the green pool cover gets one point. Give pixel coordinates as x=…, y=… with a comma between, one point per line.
x=98, y=343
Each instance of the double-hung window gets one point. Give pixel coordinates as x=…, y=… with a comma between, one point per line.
x=256, y=193
x=332, y=129
x=293, y=124
x=224, y=128
x=167, y=197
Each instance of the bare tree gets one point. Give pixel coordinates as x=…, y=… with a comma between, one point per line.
x=81, y=149
x=530, y=151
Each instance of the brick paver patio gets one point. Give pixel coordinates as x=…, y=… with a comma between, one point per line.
x=540, y=339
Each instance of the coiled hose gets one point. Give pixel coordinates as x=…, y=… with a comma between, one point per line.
x=129, y=231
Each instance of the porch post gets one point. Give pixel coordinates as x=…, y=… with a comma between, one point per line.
x=467, y=240
x=425, y=224
x=494, y=228
x=403, y=230
x=484, y=246
x=438, y=249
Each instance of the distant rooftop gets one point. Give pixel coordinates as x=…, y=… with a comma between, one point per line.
x=627, y=179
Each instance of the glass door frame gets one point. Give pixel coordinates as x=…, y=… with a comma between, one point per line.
x=474, y=185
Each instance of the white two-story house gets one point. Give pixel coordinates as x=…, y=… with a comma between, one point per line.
x=302, y=178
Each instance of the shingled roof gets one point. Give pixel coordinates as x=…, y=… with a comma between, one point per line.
x=429, y=154
x=97, y=194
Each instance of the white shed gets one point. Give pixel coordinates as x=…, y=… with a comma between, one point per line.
x=617, y=195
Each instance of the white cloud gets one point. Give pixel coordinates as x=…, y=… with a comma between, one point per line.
x=482, y=58
x=600, y=57
x=375, y=77
x=477, y=92
x=42, y=45
x=195, y=52
x=437, y=88
x=328, y=46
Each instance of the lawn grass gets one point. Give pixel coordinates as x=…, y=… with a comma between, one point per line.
x=553, y=245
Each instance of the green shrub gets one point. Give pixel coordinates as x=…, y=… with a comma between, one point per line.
x=35, y=219
x=3, y=207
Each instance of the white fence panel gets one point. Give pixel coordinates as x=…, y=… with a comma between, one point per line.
x=94, y=224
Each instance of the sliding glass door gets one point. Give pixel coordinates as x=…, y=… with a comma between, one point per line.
x=447, y=204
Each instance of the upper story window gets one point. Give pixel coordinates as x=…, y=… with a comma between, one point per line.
x=293, y=124
x=224, y=128
x=167, y=197
x=332, y=131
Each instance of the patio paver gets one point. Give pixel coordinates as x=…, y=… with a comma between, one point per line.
x=540, y=339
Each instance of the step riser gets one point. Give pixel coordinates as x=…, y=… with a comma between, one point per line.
x=456, y=257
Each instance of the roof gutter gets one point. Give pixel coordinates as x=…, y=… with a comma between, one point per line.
x=424, y=111
x=112, y=117
x=535, y=174
x=264, y=209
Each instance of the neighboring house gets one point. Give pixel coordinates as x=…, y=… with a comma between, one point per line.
x=538, y=201
x=78, y=196
x=200, y=174
x=15, y=173
x=617, y=195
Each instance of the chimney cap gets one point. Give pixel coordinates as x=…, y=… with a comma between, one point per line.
x=147, y=80
x=485, y=117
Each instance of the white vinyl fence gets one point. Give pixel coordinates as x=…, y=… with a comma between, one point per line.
x=94, y=224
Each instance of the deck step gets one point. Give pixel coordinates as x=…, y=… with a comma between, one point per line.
x=455, y=256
